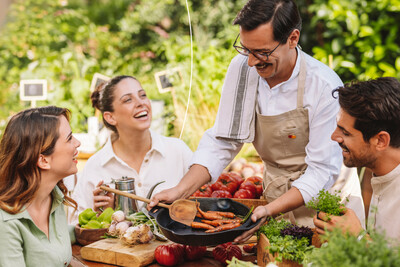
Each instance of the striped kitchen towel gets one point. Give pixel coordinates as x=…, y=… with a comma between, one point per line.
x=236, y=113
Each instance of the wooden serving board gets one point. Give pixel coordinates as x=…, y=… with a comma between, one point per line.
x=112, y=251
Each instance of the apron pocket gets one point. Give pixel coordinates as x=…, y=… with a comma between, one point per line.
x=293, y=141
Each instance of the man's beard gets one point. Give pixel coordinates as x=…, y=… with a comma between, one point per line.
x=365, y=159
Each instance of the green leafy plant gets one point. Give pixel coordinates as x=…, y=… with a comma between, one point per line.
x=327, y=202
x=283, y=245
x=289, y=248
x=273, y=228
x=346, y=250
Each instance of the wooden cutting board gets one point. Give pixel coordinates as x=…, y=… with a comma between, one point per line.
x=112, y=251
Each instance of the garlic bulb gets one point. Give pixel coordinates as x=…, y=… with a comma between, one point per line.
x=112, y=229
x=140, y=234
x=121, y=227
x=118, y=216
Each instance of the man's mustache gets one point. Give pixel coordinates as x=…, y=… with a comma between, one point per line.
x=343, y=146
x=263, y=64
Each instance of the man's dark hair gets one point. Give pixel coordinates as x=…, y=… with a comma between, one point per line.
x=283, y=14
x=375, y=105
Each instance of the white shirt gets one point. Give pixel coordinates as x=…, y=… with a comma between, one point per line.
x=324, y=157
x=167, y=160
x=384, y=211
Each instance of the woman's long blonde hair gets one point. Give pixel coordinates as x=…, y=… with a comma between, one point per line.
x=28, y=134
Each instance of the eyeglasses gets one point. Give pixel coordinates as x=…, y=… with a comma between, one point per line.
x=259, y=54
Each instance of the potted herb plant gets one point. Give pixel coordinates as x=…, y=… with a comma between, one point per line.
x=283, y=242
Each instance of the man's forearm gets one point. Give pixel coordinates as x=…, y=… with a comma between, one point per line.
x=289, y=201
x=196, y=177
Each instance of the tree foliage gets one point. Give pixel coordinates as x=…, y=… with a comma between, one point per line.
x=67, y=41
x=362, y=36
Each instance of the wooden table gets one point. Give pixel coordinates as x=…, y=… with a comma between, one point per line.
x=204, y=262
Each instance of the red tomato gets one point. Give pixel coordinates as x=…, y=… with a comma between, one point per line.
x=194, y=252
x=224, y=184
x=204, y=191
x=249, y=186
x=221, y=193
x=258, y=181
x=226, y=251
x=236, y=177
x=244, y=193
x=169, y=255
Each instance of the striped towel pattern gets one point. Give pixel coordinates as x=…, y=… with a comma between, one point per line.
x=236, y=113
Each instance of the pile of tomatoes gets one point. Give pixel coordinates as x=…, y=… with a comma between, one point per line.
x=233, y=185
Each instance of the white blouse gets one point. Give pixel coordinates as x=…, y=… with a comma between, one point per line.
x=167, y=160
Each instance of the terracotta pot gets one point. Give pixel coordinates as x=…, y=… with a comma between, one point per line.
x=88, y=236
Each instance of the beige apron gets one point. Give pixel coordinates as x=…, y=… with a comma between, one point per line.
x=280, y=142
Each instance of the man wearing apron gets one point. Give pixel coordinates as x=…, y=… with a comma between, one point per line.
x=284, y=162
x=278, y=98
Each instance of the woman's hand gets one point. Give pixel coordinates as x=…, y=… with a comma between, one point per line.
x=261, y=212
x=102, y=200
x=348, y=222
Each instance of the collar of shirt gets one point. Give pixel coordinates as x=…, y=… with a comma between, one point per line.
x=281, y=86
x=156, y=145
x=380, y=183
x=58, y=198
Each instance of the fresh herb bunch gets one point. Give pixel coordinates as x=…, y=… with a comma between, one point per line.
x=327, y=202
x=289, y=248
x=289, y=241
x=298, y=232
x=273, y=228
x=346, y=250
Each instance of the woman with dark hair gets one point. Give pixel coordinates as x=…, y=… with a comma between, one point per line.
x=37, y=151
x=133, y=150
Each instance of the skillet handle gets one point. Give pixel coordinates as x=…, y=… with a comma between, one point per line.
x=154, y=212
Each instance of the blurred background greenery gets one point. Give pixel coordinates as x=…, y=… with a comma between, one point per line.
x=67, y=41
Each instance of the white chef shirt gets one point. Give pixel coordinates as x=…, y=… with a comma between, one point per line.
x=384, y=211
x=167, y=160
x=324, y=157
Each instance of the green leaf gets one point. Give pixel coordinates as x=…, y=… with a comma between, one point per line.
x=347, y=64
x=365, y=31
x=397, y=64
x=352, y=21
x=387, y=68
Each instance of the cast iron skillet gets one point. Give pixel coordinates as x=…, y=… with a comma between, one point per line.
x=183, y=234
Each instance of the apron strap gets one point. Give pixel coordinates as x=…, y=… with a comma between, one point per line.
x=302, y=80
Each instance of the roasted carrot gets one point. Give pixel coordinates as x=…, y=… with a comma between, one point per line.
x=213, y=223
x=208, y=215
x=224, y=227
x=199, y=215
x=199, y=225
x=221, y=222
x=225, y=214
